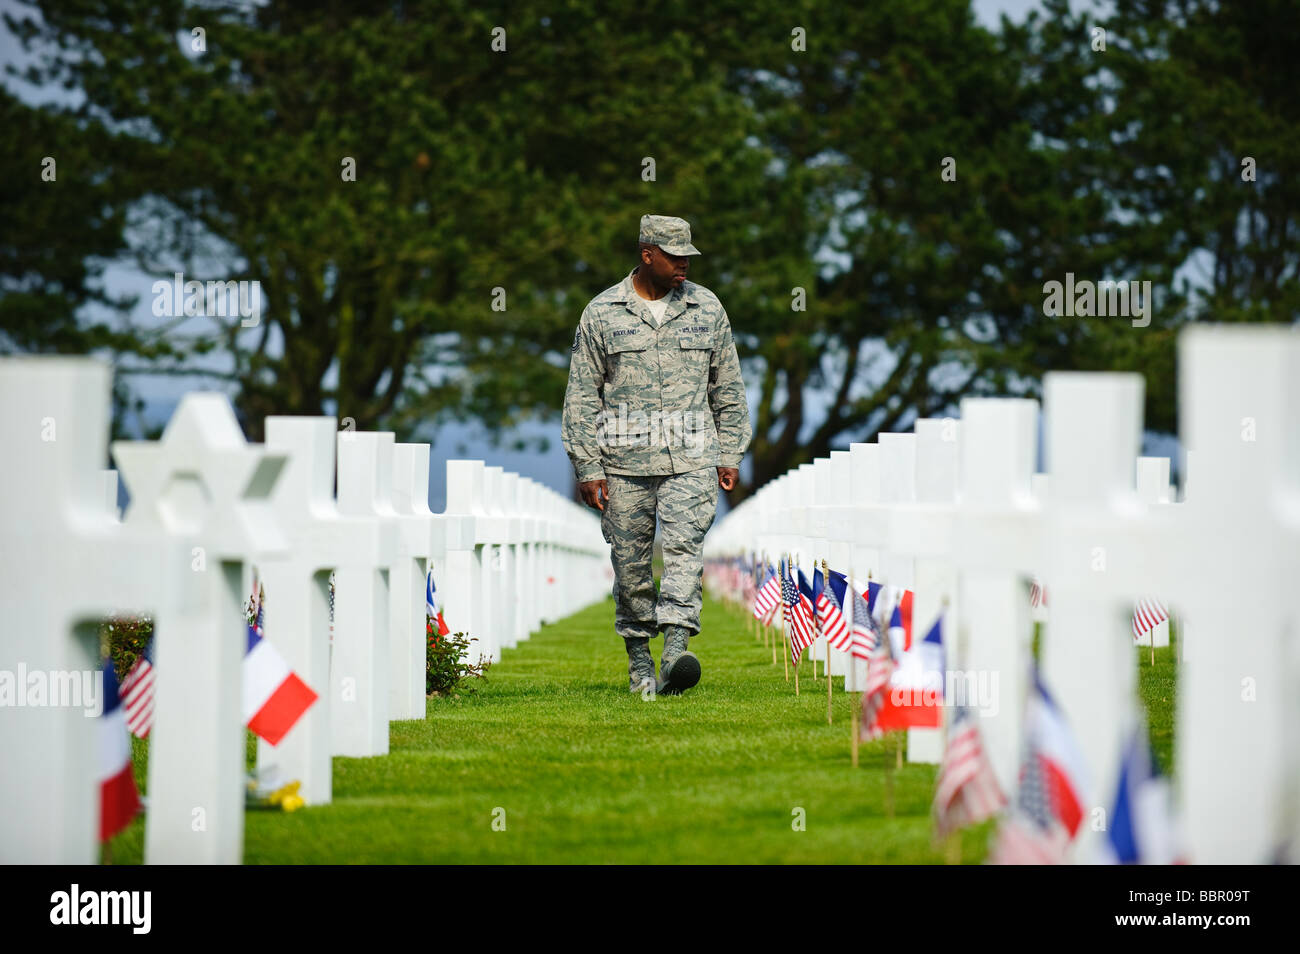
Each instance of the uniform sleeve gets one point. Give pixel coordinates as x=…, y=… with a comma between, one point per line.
x=727, y=398
x=584, y=401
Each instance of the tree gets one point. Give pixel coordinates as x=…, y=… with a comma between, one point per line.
x=479, y=172
x=909, y=178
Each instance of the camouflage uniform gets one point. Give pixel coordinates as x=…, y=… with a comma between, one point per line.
x=654, y=411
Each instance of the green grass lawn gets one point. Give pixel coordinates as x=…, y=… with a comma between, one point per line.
x=573, y=768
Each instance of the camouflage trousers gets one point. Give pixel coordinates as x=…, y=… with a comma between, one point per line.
x=685, y=505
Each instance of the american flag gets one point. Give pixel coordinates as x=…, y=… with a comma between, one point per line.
x=967, y=791
x=768, y=596
x=748, y=585
x=137, y=691
x=1020, y=842
x=880, y=667
x=803, y=630
x=1049, y=808
x=1037, y=593
x=789, y=595
x=792, y=606
x=1032, y=835
x=830, y=615
x=1147, y=615
x=137, y=694
x=866, y=634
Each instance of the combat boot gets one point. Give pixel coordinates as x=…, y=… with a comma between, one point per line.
x=640, y=664
x=679, y=669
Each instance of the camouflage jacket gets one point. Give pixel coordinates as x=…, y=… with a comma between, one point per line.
x=647, y=400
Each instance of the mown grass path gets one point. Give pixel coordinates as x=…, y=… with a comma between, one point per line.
x=574, y=769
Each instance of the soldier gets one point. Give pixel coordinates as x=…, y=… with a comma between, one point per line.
x=655, y=421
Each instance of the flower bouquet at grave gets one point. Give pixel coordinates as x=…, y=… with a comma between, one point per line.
x=271, y=790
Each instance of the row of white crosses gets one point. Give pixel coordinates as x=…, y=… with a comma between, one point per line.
x=205, y=507
x=955, y=510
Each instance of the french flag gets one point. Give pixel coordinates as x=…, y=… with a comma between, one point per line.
x=1142, y=830
x=914, y=698
x=118, y=799
x=274, y=696
x=883, y=599
x=431, y=608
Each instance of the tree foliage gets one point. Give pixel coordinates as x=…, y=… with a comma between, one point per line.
x=517, y=176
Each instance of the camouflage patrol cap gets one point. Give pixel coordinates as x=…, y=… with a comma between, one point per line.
x=670, y=233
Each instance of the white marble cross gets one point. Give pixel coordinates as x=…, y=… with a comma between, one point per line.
x=801, y=480
x=528, y=557
x=818, y=517
x=923, y=530
x=511, y=568
x=869, y=527
x=838, y=482
x=65, y=564
x=494, y=530
x=1233, y=573
x=1093, y=434
x=897, y=487
x=548, y=533
x=361, y=662
x=1153, y=489
x=424, y=545
x=297, y=588
x=203, y=481
x=463, y=597
x=996, y=541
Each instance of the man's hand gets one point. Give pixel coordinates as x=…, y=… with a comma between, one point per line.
x=727, y=477
x=591, y=491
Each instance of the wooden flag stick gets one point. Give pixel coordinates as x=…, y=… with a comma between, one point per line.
x=855, y=700
x=1151, y=635
x=830, y=702
x=785, y=650
x=796, y=680
x=898, y=751
x=826, y=581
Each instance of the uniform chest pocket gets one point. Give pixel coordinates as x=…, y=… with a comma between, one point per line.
x=629, y=360
x=695, y=352
x=618, y=343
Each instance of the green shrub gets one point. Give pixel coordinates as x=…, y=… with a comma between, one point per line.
x=448, y=667
x=122, y=639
